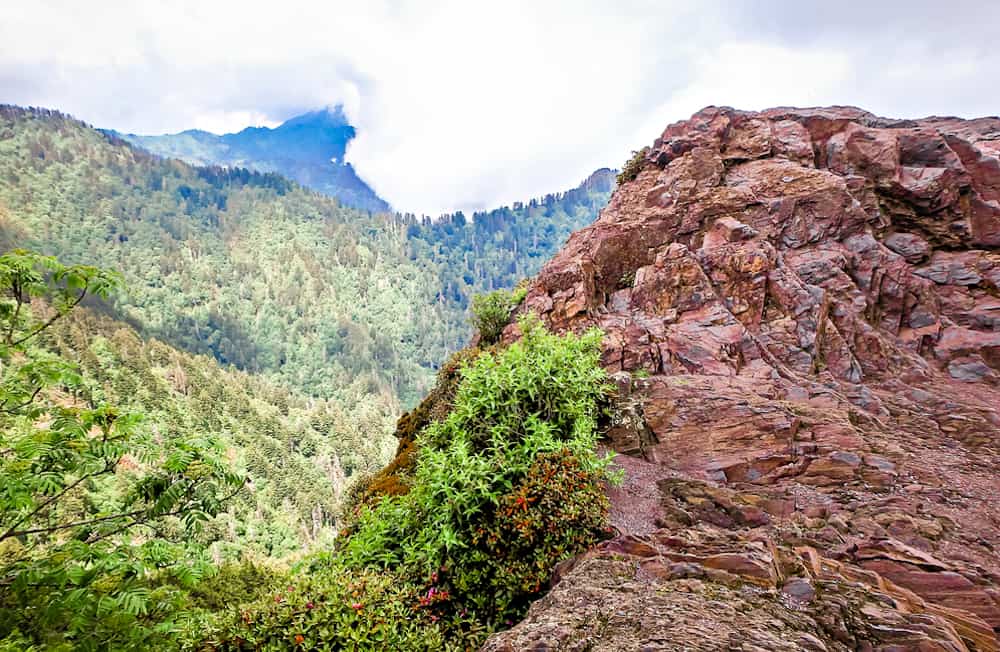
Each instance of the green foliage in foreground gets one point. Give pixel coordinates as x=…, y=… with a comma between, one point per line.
x=326, y=606
x=95, y=510
x=539, y=396
x=505, y=486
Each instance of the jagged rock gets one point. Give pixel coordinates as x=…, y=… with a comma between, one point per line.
x=811, y=298
x=707, y=589
x=908, y=245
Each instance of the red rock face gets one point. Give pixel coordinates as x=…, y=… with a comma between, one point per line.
x=803, y=308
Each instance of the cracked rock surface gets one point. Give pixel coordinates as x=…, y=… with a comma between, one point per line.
x=801, y=310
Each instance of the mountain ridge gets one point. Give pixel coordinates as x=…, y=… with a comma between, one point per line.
x=309, y=148
x=220, y=259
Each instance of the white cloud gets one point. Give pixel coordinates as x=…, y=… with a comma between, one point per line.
x=754, y=76
x=471, y=104
x=219, y=122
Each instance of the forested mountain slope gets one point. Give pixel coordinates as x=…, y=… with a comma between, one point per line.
x=259, y=272
x=247, y=267
x=298, y=453
x=143, y=486
x=496, y=249
x=309, y=149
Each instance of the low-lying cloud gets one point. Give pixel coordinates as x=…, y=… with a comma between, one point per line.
x=466, y=105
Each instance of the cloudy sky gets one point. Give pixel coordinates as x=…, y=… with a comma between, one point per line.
x=471, y=104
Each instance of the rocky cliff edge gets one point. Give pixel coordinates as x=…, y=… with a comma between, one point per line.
x=801, y=310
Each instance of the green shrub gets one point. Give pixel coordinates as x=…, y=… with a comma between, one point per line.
x=515, y=413
x=234, y=583
x=633, y=166
x=557, y=510
x=519, y=292
x=491, y=314
x=327, y=607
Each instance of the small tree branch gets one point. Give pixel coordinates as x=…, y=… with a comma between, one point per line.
x=103, y=519
x=10, y=531
x=59, y=313
x=16, y=408
x=66, y=526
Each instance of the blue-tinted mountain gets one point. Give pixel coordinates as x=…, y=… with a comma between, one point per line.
x=309, y=148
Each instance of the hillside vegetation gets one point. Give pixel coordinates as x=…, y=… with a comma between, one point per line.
x=298, y=453
x=100, y=515
x=498, y=248
x=149, y=496
x=260, y=273
x=139, y=482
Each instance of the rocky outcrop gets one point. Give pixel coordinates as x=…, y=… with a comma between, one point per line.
x=706, y=589
x=801, y=308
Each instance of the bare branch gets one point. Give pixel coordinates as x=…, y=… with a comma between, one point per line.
x=16, y=408
x=104, y=519
x=16, y=291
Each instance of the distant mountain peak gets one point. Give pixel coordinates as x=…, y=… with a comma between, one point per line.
x=600, y=180
x=309, y=148
x=328, y=116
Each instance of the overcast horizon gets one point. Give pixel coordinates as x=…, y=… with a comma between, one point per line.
x=463, y=105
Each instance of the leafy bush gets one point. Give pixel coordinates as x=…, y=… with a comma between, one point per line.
x=557, y=510
x=328, y=607
x=234, y=583
x=519, y=292
x=491, y=314
x=633, y=166
x=522, y=427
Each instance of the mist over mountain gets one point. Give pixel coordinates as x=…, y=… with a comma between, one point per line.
x=309, y=148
